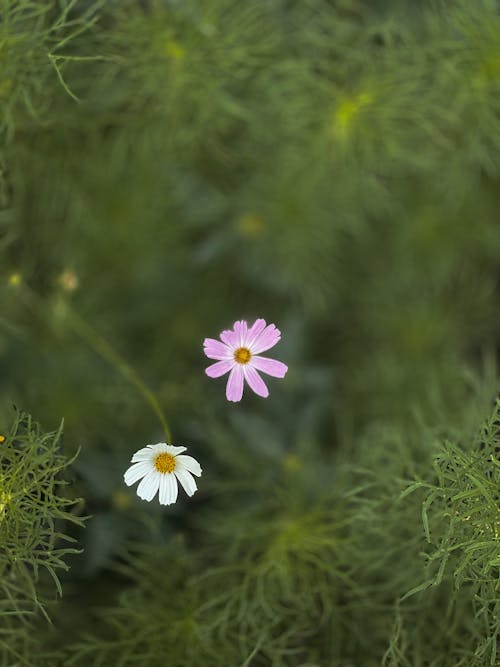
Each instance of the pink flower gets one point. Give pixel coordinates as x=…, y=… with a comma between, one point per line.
x=238, y=355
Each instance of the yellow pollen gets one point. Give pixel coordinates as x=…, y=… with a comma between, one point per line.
x=242, y=355
x=165, y=462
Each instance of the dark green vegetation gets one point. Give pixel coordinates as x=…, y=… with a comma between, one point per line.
x=169, y=167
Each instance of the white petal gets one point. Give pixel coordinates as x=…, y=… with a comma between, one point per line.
x=174, y=487
x=175, y=450
x=158, y=448
x=188, y=463
x=149, y=486
x=150, y=452
x=144, y=454
x=168, y=489
x=136, y=471
x=187, y=480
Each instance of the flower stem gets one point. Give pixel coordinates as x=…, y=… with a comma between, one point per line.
x=101, y=346
x=104, y=349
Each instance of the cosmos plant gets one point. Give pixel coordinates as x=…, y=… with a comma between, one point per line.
x=238, y=353
x=160, y=467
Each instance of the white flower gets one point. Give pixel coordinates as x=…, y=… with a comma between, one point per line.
x=159, y=467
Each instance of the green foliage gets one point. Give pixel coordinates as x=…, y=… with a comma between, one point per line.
x=33, y=509
x=155, y=619
x=331, y=165
x=461, y=517
x=292, y=579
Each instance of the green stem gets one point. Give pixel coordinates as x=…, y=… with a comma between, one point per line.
x=101, y=346
x=108, y=353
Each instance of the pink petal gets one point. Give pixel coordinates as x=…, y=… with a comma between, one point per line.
x=236, y=337
x=231, y=338
x=241, y=329
x=218, y=369
x=234, y=387
x=255, y=330
x=270, y=366
x=256, y=383
x=267, y=339
x=214, y=349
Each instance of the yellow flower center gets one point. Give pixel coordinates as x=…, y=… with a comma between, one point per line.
x=242, y=355
x=165, y=462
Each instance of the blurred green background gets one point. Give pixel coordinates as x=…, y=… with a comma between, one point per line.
x=332, y=166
